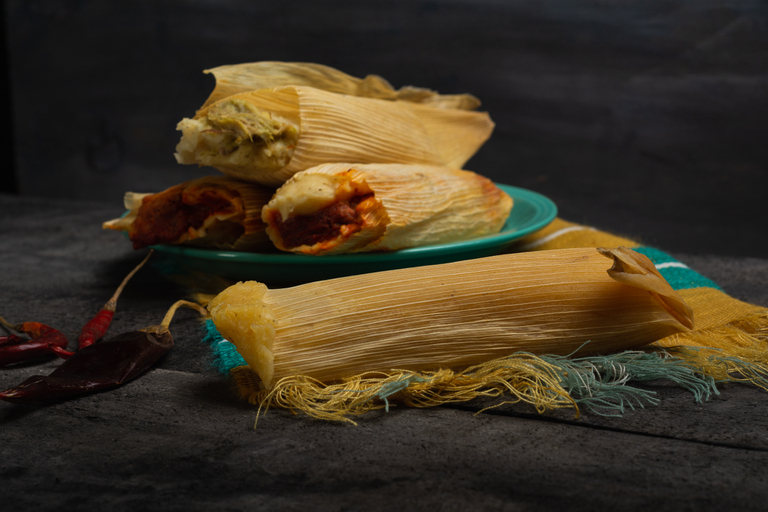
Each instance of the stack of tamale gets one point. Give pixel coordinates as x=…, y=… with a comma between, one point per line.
x=326, y=163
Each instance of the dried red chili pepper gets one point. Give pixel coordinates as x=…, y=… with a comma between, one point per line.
x=45, y=340
x=7, y=341
x=98, y=326
x=38, y=331
x=102, y=365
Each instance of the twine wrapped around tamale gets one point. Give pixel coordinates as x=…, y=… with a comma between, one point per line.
x=339, y=208
x=451, y=315
x=214, y=211
x=268, y=135
x=251, y=76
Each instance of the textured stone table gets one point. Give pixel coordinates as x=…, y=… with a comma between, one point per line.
x=178, y=438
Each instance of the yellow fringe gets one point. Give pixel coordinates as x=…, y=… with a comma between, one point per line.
x=527, y=378
x=734, y=352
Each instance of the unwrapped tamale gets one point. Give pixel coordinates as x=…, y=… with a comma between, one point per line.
x=214, y=212
x=268, y=135
x=340, y=208
x=569, y=301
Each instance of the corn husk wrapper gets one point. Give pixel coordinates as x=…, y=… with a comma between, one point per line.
x=237, y=78
x=233, y=224
x=406, y=206
x=332, y=127
x=451, y=315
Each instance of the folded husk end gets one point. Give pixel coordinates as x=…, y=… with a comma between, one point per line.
x=241, y=316
x=635, y=269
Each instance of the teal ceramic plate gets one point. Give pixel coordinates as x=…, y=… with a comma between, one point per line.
x=531, y=212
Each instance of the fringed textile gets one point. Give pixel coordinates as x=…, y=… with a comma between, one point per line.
x=729, y=344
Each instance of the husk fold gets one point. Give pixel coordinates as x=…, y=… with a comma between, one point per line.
x=237, y=78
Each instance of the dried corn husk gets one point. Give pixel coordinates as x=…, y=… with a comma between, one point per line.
x=399, y=206
x=309, y=127
x=213, y=211
x=451, y=315
x=237, y=78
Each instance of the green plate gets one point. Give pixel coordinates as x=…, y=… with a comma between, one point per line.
x=531, y=212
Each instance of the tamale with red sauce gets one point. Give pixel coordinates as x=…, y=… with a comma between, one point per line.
x=215, y=211
x=342, y=208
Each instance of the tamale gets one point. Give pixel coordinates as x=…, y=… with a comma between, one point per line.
x=268, y=135
x=569, y=301
x=251, y=76
x=213, y=211
x=339, y=208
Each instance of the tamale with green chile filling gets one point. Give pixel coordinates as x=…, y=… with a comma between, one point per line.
x=268, y=135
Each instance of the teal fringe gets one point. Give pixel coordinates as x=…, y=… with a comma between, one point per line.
x=225, y=355
x=600, y=384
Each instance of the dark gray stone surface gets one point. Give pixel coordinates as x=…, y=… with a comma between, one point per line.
x=644, y=118
x=178, y=438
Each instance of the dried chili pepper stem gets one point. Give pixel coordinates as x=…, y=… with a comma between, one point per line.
x=163, y=327
x=97, y=327
x=112, y=303
x=5, y=323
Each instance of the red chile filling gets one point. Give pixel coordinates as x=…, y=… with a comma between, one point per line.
x=164, y=217
x=321, y=226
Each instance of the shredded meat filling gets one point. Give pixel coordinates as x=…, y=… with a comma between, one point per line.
x=322, y=225
x=165, y=217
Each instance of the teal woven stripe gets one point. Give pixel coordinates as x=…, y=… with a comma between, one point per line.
x=677, y=274
x=225, y=355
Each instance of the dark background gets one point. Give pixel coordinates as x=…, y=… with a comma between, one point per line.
x=648, y=118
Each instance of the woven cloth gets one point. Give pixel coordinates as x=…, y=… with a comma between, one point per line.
x=728, y=344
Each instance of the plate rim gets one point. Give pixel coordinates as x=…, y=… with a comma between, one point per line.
x=545, y=213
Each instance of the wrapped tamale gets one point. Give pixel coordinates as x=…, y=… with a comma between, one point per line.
x=570, y=301
x=341, y=208
x=213, y=212
x=267, y=135
x=251, y=76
